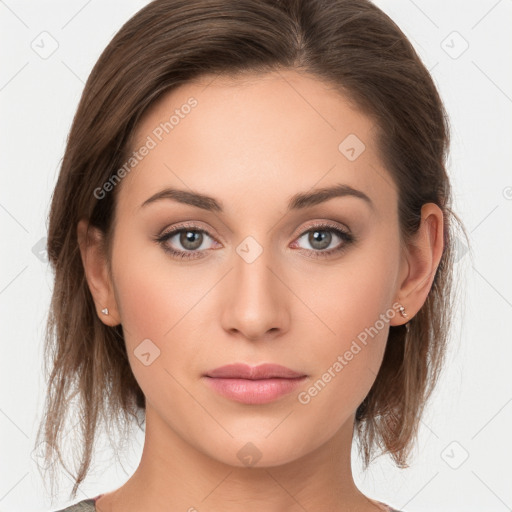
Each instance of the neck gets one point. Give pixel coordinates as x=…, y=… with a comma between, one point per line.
x=174, y=475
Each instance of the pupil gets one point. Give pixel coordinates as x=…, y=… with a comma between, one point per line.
x=189, y=240
x=321, y=237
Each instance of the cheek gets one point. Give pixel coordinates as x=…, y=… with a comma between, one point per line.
x=154, y=295
x=147, y=305
x=347, y=360
x=155, y=323
x=352, y=315
x=349, y=299
x=160, y=302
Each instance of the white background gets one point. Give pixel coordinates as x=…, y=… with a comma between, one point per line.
x=471, y=412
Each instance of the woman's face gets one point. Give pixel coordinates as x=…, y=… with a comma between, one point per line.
x=260, y=274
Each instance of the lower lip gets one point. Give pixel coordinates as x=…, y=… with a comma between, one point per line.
x=254, y=391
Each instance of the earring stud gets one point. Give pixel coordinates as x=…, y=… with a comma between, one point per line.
x=105, y=311
x=402, y=311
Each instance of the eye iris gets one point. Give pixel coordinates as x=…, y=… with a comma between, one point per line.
x=190, y=239
x=323, y=236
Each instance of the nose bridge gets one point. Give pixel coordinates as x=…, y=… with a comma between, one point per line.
x=252, y=269
x=257, y=303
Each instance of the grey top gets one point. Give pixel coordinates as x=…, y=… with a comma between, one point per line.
x=88, y=506
x=81, y=506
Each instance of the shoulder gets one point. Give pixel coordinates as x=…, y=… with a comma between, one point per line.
x=81, y=506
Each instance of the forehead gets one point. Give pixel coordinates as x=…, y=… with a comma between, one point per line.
x=240, y=138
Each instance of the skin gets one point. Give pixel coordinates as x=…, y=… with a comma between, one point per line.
x=252, y=144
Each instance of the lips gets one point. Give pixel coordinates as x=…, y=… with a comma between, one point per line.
x=254, y=384
x=263, y=371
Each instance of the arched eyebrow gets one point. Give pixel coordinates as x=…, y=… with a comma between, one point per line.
x=298, y=201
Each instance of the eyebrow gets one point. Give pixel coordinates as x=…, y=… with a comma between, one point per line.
x=297, y=202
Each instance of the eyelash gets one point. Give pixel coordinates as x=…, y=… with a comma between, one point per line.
x=344, y=235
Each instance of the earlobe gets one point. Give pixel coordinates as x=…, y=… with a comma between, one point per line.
x=91, y=244
x=423, y=256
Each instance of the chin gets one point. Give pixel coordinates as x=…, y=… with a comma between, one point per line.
x=260, y=451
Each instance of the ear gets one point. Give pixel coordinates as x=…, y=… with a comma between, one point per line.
x=91, y=244
x=420, y=263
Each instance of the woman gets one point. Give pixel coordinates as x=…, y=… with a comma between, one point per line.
x=252, y=238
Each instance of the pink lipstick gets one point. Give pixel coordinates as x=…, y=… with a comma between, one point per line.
x=254, y=384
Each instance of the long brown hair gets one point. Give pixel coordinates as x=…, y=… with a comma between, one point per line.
x=350, y=44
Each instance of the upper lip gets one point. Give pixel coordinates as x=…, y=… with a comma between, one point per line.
x=263, y=371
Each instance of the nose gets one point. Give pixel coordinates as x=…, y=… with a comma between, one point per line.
x=256, y=307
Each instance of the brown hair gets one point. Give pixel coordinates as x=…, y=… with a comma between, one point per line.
x=350, y=44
